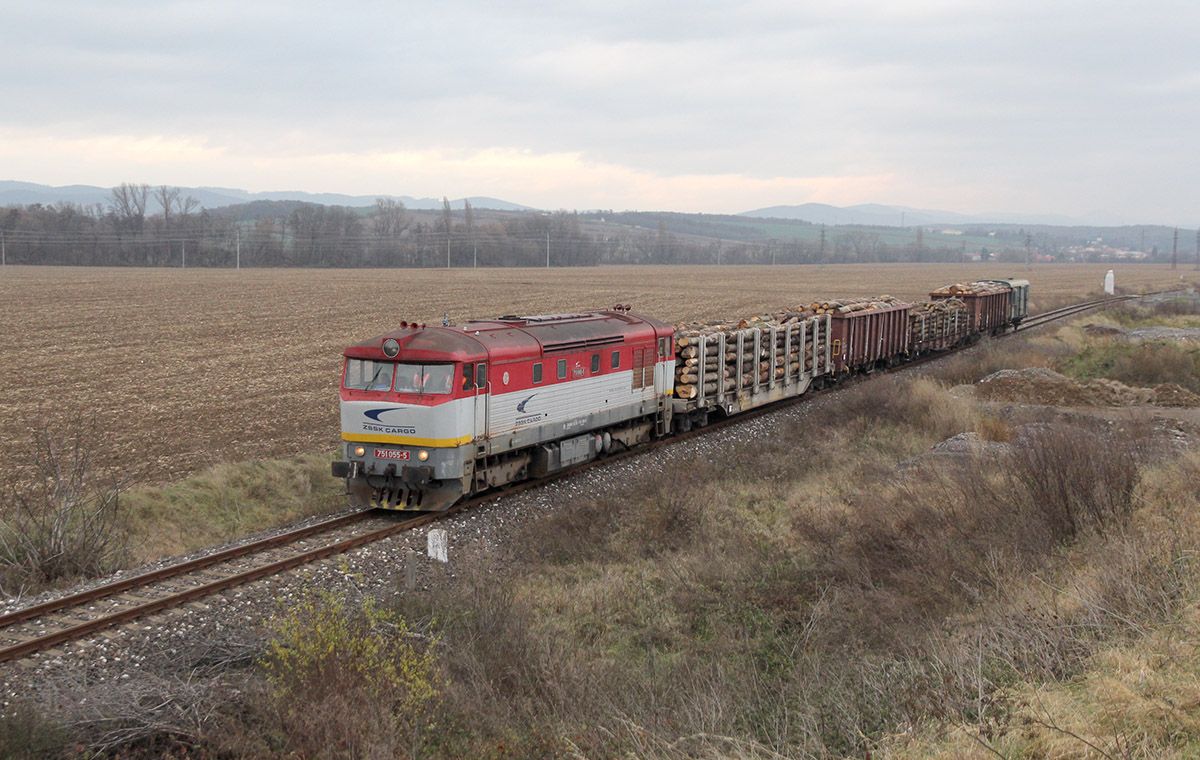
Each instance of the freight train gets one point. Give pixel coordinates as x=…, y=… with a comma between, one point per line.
x=430, y=415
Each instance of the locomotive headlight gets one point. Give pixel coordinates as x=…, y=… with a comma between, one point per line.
x=391, y=348
x=360, y=451
x=422, y=455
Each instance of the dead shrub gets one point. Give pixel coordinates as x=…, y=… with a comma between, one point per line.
x=26, y=733
x=59, y=523
x=907, y=402
x=574, y=532
x=508, y=687
x=994, y=429
x=1075, y=479
x=1135, y=312
x=940, y=538
x=667, y=513
x=969, y=366
x=1145, y=364
x=370, y=678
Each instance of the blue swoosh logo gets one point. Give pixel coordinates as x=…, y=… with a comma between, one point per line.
x=374, y=413
x=521, y=406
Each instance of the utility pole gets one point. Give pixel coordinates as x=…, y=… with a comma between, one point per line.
x=1175, y=250
x=720, y=245
x=1028, y=242
x=238, y=265
x=4, y=250
x=547, y=249
x=183, y=247
x=475, y=255
x=447, y=251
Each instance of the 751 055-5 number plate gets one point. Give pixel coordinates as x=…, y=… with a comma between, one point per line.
x=391, y=454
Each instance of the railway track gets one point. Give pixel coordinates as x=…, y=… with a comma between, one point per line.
x=49, y=624
x=1069, y=311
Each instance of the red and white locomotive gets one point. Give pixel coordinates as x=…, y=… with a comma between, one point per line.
x=430, y=414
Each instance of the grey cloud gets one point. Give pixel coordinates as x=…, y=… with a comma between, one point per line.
x=1051, y=105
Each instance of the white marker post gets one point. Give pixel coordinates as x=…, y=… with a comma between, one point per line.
x=1109, y=282
x=439, y=546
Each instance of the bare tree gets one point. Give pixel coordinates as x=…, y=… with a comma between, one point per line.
x=865, y=245
x=186, y=205
x=390, y=218
x=469, y=223
x=468, y=215
x=129, y=205
x=447, y=216
x=447, y=225
x=167, y=198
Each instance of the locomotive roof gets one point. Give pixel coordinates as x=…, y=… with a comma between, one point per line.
x=512, y=337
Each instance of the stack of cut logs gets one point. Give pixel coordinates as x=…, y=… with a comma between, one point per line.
x=849, y=307
x=687, y=346
x=930, y=319
x=970, y=289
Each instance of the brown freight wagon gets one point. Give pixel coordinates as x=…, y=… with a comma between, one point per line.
x=867, y=339
x=989, y=311
x=938, y=325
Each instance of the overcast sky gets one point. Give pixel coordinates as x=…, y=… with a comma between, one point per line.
x=1075, y=108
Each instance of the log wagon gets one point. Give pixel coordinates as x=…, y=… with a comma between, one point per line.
x=727, y=368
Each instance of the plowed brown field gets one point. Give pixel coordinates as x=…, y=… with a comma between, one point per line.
x=180, y=369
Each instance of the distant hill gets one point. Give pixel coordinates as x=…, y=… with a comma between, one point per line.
x=880, y=215
x=13, y=193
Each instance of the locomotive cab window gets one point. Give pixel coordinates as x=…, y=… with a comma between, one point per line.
x=562, y=369
x=595, y=363
x=368, y=375
x=537, y=372
x=437, y=379
x=468, y=377
x=481, y=376
x=662, y=347
x=616, y=359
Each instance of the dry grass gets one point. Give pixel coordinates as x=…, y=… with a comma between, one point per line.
x=1135, y=697
x=185, y=369
x=227, y=501
x=806, y=602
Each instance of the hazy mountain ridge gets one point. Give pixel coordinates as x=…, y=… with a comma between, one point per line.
x=14, y=192
x=882, y=215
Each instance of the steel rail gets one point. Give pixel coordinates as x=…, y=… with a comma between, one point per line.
x=79, y=630
x=182, y=568
x=1070, y=310
x=128, y=614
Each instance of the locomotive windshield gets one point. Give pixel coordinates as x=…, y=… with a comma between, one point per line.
x=424, y=378
x=368, y=375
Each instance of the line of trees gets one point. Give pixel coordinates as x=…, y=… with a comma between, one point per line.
x=160, y=226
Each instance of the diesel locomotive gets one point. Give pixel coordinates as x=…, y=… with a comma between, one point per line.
x=430, y=414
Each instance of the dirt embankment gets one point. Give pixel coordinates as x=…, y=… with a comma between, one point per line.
x=1140, y=334
x=1037, y=385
